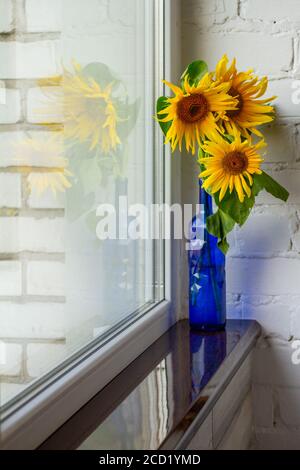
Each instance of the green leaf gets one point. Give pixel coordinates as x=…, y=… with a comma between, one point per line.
x=195, y=71
x=219, y=225
x=235, y=209
x=272, y=187
x=257, y=185
x=162, y=104
x=101, y=74
x=224, y=246
x=128, y=114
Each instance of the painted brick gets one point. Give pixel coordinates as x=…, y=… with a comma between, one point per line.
x=273, y=317
x=288, y=97
x=10, y=106
x=43, y=106
x=263, y=276
x=277, y=439
x=28, y=234
x=272, y=237
x=271, y=10
x=208, y=12
x=263, y=409
x=10, y=190
x=10, y=358
x=43, y=15
x=6, y=18
x=14, y=153
x=45, y=278
x=290, y=180
x=296, y=241
x=295, y=320
x=10, y=278
x=43, y=357
x=29, y=59
x=281, y=143
x=273, y=366
x=32, y=320
x=289, y=405
x=208, y=48
x=46, y=200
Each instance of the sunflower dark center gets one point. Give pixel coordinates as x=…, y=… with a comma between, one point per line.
x=235, y=162
x=192, y=108
x=235, y=94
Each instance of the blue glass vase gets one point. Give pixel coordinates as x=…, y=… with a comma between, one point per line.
x=207, y=279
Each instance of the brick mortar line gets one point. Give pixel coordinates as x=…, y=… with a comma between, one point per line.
x=27, y=339
x=56, y=299
x=26, y=169
x=33, y=256
x=29, y=37
x=35, y=213
x=24, y=126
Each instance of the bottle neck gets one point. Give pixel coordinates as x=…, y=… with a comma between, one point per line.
x=206, y=200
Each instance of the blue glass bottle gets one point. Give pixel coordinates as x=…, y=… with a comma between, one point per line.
x=207, y=287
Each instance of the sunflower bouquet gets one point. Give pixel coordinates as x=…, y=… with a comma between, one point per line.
x=219, y=114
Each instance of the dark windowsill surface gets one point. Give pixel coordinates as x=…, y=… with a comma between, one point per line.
x=154, y=402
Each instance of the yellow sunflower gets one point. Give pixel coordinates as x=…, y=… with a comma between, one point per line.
x=191, y=110
x=89, y=113
x=230, y=166
x=48, y=167
x=54, y=179
x=247, y=88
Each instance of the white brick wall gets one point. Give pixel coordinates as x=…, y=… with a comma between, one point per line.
x=45, y=278
x=46, y=200
x=33, y=320
x=263, y=266
x=6, y=17
x=10, y=278
x=29, y=60
x=10, y=358
x=42, y=106
x=10, y=190
x=28, y=234
x=211, y=50
x=31, y=224
x=271, y=10
x=263, y=276
x=12, y=153
x=43, y=15
x=43, y=357
x=10, y=106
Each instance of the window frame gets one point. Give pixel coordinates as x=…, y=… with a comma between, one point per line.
x=37, y=416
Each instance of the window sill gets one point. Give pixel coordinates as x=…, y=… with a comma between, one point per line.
x=163, y=398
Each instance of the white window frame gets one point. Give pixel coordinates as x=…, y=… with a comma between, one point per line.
x=36, y=417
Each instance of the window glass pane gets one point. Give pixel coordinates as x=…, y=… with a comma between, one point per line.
x=76, y=133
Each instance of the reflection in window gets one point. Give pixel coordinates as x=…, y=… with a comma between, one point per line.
x=128, y=427
x=75, y=132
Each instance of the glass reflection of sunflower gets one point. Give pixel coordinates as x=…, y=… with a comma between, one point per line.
x=89, y=110
x=45, y=153
x=231, y=166
x=191, y=110
x=247, y=88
